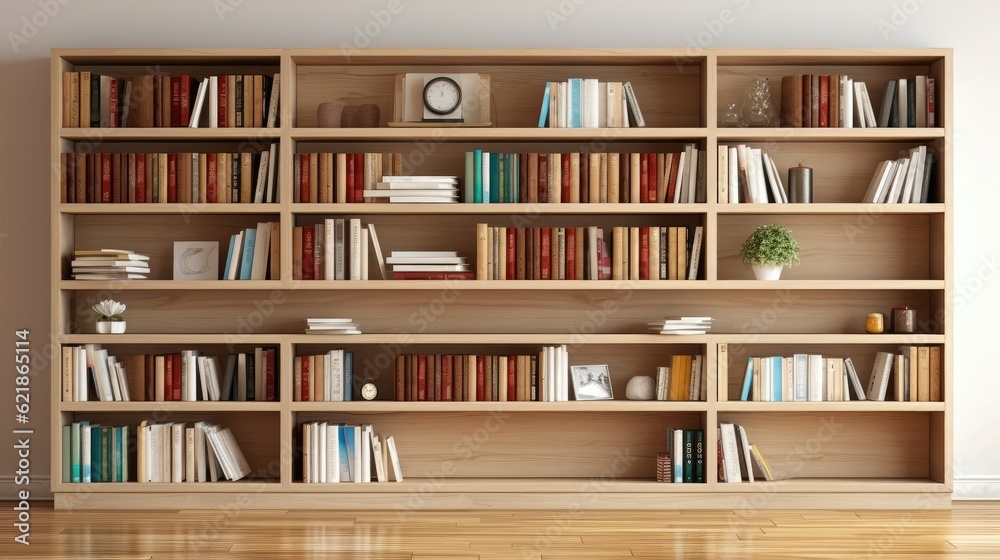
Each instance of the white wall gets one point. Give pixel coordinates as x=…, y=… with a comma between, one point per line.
x=967, y=26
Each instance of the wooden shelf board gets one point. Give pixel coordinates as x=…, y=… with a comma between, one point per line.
x=480, y=56
x=853, y=406
x=468, y=134
x=174, y=133
x=837, y=485
x=731, y=135
x=242, y=485
x=154, y=338
x=379, y=407
x=178, y=209
x=182, y=285
x=827, y=338
x=821, y=208
x=170, y=406
x=143, y=56
x=502, y=209
x=836, y=56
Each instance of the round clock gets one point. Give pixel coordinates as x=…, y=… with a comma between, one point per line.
x=368, y=390
x=442, y=95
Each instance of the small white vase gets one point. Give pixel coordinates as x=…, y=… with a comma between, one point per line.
x=767, y=271
x=111, y=327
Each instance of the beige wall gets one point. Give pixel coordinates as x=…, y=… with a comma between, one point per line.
x=571, y=23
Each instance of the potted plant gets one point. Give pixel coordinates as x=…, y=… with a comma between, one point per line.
x=110, y=320
x=768, y=249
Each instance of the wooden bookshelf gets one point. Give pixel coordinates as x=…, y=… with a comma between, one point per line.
x=528, y=455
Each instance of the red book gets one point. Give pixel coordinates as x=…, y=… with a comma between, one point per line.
x=116, y=178
x=651, y=170
x=269, y=374
x=422, y=378
x=571, y=253
x=644, y=179
x=511, y=378
x=564, y=167
x=211, y=179
x=176, y=359
x=175, y=101
x=447, y=379
x=511, y=253
x=140, y=178
x=359, y=177
x=168, y=378
x=523, y=172
x=185, y=87
x=113, y=103
x=543, y=177
x=306, y=377
x=308, y=244
x=223, y=102
x=643, y=253
x=304, y=178
x=105, y=177
x=427, y=275
x=480, y=378
x=545, y=254
x=807, y=101
x=824, y=101
x=672, y=182
x=171, y=177
x=349, y=181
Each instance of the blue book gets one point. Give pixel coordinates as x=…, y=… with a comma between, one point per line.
x=574, y=102
x=776, y=377
x=348, y=376
x=85, y=469
x=747, y=378
x=477, y=176
x=494, y=177
x=229, y=257
x=119, y=443
x=543, y=117
x=486, y=177
x=347, y=458
x=469, y=181
x=74, y=447
x=249, y=236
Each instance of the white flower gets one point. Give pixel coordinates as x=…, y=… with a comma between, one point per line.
x=109, y=308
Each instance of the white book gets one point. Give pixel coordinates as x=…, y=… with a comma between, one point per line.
x=394, y=459
x=877, y=181
x=774, y=179
x=847, y=95
x=190, y=468
x=852, y=374
x=380, y=474
x=80, y=373
x=859, y=106
x=355, y=249
x=429, y=254
x=879, y=381
x=364, y=253
x=590, y=99
x=199, y=104
x=898, y=178
x=122, y=381
x=100, y=361
x=730, y=453
x=332, y=444
x=901, y=107
x=272, y=107
x=366, y=452
x=178, y=437
x=85, y=451
x=734, y=178
x=116, y=390
x=699, y=233
x=213, y=102
x=681, y=178
x=918, y=175
x=691, y=184
x=816, y=378
x=235, y=258
x=452, y=179
x=373, y=236
x=869, y=110
x=741, y=434
x=260, y=185
x=911, y=179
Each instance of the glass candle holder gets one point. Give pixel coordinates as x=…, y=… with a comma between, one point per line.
x=875, y=323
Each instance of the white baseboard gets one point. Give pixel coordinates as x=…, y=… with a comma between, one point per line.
x=38, y=488
x=977, y=488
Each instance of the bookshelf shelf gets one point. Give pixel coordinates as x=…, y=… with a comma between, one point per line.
x=533, y=454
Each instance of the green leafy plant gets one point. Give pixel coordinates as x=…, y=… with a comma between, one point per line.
x=110, y=310
x=770, y=244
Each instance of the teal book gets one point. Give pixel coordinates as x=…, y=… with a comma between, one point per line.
x=115, y=470
x=747, y=378
x=502, y=178
x=688, y=455
x=105, y=453
x=85, y=470
x=486, y=177
x=543, y=117
x=229, y=256
x=699, y=455
x=494, y=177
x=67, y=453
x=75, y=452
x=575, y=85
x=515, y=175
x=469, y=181
x=348, y=376
x=249, y=237
x=776, y=377
x=347, y=457
x=477, y=176
x=95, y=454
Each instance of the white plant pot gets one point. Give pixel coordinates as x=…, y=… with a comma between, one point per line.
x=111, y=327
x=767, y=271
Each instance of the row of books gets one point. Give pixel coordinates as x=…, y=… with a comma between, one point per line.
x=682, y=380
x=155, y=100
x=336, y=249
x=589, y=103
x=327, y=177
x=801, y=378
x=95, y=453
x=686, y=454
x=670, y=177
x=177, y=452
x=327, y=377
x=254, y=253
x=738, y=458
x=748, y=174
x=905, y=180
x=332, y=325
x=810, y=100
x=158, y=178
x=588, y=253
x=467, y=377
x=89, y=372
x=916, y=370
x=334, y=453
x=108, y=264
x=408, y=189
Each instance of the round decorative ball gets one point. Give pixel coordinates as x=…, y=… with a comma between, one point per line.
x=640, y=388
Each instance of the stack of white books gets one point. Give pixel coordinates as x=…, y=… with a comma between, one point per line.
x=681, y=325
x=332, y=325
x=426, y=261
x=416, y=188
x=109, y=264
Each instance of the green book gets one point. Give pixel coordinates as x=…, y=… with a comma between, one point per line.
x=105, y=453
x=699, y=455
x=67, y=453
x=95, y=454
x=75, y=452
x=688, y=456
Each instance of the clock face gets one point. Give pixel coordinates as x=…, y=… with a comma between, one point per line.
x=368, y=391
x=442, y=95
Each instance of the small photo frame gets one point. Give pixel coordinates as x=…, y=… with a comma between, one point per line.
x=196, y=260
x=591, y=383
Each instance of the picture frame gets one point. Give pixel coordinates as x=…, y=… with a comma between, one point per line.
x=196, y=260
x=592, y=382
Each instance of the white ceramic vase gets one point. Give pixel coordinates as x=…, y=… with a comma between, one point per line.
x=111, y=327
x=767, y=271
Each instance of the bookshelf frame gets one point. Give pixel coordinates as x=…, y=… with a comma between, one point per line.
x=517, y=473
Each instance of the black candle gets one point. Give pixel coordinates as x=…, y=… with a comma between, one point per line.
x=800, y=184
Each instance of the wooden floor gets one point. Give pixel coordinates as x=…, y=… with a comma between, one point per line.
x=970, y=530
